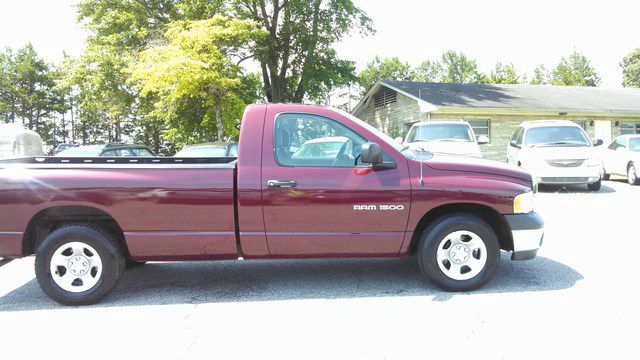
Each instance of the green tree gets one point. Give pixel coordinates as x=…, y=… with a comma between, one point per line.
x=452, y=67
x=34, y=84
x=385, y=69
x=505, y=74
x=197, y=78
x=297, y=58
x=575, y=70
x=541, y=76
x=631, y=69
x=8, y=101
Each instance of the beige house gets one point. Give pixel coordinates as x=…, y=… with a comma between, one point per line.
x=496, y=110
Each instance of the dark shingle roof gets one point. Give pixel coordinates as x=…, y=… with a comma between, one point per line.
x=543, y=97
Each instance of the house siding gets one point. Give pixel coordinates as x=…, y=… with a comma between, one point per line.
x=395, y=119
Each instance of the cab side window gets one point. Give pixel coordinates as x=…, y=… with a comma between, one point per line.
x=315, y=141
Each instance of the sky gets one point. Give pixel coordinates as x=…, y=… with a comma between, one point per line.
x=525, y=33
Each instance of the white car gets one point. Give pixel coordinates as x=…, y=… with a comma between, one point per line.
x=450, y=137
x=557, y=152
x=622, y=157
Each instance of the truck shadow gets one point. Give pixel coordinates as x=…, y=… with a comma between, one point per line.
x=215, y=282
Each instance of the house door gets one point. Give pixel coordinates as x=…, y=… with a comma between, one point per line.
x=603, y=130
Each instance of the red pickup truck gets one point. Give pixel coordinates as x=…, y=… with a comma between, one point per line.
x=309, y=182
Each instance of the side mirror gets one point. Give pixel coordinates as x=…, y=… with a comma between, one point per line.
x=483, y=139
x=513, y=143
x=371, y=153
x=597, y=142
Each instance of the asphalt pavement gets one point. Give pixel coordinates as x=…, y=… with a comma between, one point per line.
x=579, y=298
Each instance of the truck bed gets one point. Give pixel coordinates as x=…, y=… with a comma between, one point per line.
x=167, y=208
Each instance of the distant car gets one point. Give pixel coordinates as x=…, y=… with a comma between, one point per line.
x=622, y=157
x=557, y=152
x=109, y=150
x=63, y=147
x=219, y=149
x=450, y=137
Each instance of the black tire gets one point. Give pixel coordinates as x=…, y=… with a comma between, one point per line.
x=595, y=186
x=437, y=231
x=632, y=174
x=104, y=243
x=130, y=264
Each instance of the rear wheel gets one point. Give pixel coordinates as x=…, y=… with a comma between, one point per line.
x=595, y=186
x=459, y=252
x=632, y=175
x=78, y=264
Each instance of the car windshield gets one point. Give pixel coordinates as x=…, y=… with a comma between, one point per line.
x=556, y=136
x=440, y=132
x=203, y=151
x=82, y=151
x=634, y=144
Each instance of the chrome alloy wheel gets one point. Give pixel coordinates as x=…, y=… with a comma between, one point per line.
x=76, y=267
x=461, y=255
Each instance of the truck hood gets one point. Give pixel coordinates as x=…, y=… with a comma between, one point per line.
x=447, y=147
x=473, y=164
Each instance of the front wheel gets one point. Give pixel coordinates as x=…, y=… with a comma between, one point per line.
x=632, y=175
x=79, y=264
x=459, y=252
x=595, y=186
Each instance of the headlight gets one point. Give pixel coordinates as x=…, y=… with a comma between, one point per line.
x=593, y=162
x=523, y=203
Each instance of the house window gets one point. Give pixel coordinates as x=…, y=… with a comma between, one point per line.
x=480, y=127
x=384, y=96
x=629, y=128
x=582, y=123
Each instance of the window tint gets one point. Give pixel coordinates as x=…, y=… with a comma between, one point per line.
x=311, y=140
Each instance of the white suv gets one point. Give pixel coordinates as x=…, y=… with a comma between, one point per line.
x=450, y=137
x=556, y=152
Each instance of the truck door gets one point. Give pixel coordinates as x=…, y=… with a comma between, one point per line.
x=319, y=199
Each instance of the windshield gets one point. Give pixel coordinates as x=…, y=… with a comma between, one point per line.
x=440, y=132
x=203, y=151
x=634, y=144
x=82, y=151
x=556, y=136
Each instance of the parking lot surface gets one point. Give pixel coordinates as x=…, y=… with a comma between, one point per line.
x=579, y=298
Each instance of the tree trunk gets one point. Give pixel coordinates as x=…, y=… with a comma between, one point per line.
x=219, y=128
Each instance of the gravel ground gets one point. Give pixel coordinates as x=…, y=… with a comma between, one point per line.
x=578, y=298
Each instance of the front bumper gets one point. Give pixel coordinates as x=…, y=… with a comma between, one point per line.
x=527, y=231
x=558, y=176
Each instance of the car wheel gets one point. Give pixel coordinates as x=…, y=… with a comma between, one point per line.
x=595, y=186
x=632, y=175
x=79, y=264
x=459, y=252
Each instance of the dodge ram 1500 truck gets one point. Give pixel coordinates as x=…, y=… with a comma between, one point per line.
x=308, y=182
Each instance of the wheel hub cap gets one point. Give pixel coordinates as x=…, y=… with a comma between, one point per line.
x=79, y=265
x=459, y=254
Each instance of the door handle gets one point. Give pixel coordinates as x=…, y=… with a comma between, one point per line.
x=281, y=184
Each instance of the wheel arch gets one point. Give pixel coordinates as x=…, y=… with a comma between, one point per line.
x=47, y=220
x=489, y=215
